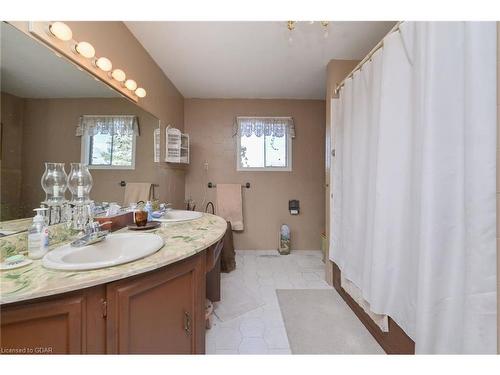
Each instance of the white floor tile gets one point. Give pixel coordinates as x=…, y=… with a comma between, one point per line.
x=276, y=338
x=253, y=345
x=317, y=284
x=310, y=276
x=265, y=272
x=252, y=327
x=299, y=283
x=210, y=347
x=285, y=284
x=259, y=273
x=321, y=274
x=272, y=320
x=265, y=281
x=255, y=313
x=227, y=338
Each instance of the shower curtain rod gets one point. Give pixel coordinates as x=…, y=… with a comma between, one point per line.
x=366, y=58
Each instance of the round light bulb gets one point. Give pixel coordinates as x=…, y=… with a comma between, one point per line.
x=61, y=31
x=104, y=64
x=85, y=49
x=140, y=92
x=118, y=75
x=130, y=84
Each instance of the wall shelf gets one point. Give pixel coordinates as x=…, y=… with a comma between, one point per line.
x=177, y=146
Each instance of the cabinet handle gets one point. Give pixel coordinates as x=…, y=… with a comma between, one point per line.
x=187, y=323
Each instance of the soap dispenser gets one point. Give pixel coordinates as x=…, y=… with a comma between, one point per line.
x=38, y=236
x=294, y=206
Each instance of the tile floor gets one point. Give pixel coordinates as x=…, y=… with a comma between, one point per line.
x=259, y=273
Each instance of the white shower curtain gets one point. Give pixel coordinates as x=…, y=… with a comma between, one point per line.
x=413, y=181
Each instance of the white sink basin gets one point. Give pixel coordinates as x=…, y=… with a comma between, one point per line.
x=174, y=216
x=114, y=250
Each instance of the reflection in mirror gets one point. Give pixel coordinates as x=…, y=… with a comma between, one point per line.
x=53, y=112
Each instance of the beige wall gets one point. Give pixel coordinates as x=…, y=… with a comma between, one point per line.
x=336, y=71
x=265, y=205
x=11, y=135
x=163, y=100
x=49, y=135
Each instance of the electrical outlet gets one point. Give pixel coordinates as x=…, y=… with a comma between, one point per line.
x=205, y=165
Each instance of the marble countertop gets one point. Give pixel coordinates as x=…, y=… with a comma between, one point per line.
x=182, y=240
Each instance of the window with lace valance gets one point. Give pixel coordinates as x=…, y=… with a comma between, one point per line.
x=264, y=143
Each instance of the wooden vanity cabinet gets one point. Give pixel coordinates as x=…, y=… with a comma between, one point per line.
x=72, y=323
x=162, y=312
x=159, y=312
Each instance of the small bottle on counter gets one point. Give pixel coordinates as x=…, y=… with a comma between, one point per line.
x=149, y=209
x=38, y=236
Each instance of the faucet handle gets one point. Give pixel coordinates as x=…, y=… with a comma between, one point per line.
x=92, y=227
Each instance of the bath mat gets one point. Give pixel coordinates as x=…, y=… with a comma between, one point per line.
x=318, y=321
x=236, y=300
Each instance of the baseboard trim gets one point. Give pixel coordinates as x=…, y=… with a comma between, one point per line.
x=396, y=341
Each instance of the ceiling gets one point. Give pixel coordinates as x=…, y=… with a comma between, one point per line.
x=31, y=70
x=253, y=59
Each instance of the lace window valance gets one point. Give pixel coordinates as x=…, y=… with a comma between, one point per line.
x=269, y=126
x=108, y=124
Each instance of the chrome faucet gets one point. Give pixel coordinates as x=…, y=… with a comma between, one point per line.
x=166, y=206
x=92, y=234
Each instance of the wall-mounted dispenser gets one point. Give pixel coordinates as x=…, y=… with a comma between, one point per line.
x=293, y=206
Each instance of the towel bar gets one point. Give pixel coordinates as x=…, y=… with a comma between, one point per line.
x=123, y=183
x=212, y=185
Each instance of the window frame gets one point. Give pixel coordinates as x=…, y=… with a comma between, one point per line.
x=85, y=154
x=288, y=168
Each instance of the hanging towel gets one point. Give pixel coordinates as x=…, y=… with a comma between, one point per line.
x=137, y=191
x=229, y=204
x=228, y=257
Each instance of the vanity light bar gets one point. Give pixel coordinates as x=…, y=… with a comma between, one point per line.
x=130, y=84
x=85, y=49
x=140, y=92
x=61, y=31
x=118, y=75
x=104, y=64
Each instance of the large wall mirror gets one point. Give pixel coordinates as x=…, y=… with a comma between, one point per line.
x=45, y=102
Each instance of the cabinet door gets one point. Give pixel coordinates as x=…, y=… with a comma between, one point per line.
x=69, y=324
x=160, y=312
